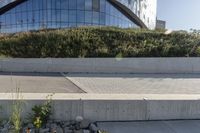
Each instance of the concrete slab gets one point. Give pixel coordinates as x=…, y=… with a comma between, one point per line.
x=152, y=84
x=36, y=83
x=102, y=65
x=137, y=83
x=190, y=126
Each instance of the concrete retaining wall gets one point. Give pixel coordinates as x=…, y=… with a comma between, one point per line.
x=115, y=110
x=106, y=65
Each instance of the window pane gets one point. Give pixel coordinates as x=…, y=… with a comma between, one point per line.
x=64, y=4
x=81, y=16
x=72, y=16
x=81, y=4
x=36, y=4
x=58, y=4
x=88, y=17
x=102, y=5
x=49, y=2
x=102, y=18
x=96, y=17
x=96, y=5
x=64, y=16
x=72, y=4
x=88, y=4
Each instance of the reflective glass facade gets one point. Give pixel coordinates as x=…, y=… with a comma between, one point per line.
x=144, y=9
x=42, y=14
x=5, y=2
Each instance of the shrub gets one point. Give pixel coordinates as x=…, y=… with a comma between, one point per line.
x=99, y=42
x=41, y=113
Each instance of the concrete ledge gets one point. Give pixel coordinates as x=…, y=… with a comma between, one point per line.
x=118, y=107
x=102, y=65
x=90, y=96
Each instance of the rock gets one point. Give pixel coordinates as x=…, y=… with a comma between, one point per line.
x=59, y=130
x=67, y=130
x=4, y=130
x=48, y=125
x=78, y=131
x=53, y=131
x=44, y=130
x=53, y=126
x=57, y=121
x=93, y=128
x=7, y=125
x=84, y=124
x=72, y=122
x=4, y=122
x=66, y=124
x=86, y=131
x=79, y=119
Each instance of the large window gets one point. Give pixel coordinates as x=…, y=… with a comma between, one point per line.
x=96, y=5
x=40, y=14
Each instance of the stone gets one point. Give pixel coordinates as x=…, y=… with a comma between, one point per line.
x=44, y=130
x=79, y=119
x=53, y=126
x=67, y=130
x=84, y=124
x=59, y=130
x=48, y=125
x=66, y=124
x=4, y=122
x=78, y=131
x=50, y=121
x=57, y=121
x=93, y=127
x=86, y=131
x=4, y=130
x=7, y=125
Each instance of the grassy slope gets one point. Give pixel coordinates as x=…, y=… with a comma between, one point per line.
x=99, y=42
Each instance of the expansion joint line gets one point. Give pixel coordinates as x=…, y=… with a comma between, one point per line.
x=65, y=76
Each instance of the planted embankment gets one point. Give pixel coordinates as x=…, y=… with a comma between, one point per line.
x=99, y=42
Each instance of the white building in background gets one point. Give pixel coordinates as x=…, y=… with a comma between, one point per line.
x=146, y=10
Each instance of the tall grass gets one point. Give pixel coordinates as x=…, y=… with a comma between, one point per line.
x=17, y=107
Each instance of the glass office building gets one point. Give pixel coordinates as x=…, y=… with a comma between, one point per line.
x=27, y=15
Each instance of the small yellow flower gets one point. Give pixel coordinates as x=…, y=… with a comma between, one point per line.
x=38, y=122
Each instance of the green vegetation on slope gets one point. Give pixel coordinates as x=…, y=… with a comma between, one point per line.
x=99, y=42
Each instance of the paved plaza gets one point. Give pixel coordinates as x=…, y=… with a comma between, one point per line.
x=36, y=83
x=100, y=83
x=138, y=83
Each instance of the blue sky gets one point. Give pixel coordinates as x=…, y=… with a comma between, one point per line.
x=180, y=14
